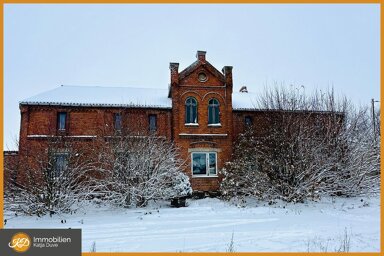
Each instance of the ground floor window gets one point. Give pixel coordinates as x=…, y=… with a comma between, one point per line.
x=60, y=163
x=204, y=164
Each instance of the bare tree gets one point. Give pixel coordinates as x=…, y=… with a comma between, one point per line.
x=58, y=173
x=360, y=166
x=135, y=169
x=53, y=178
x=312, y=145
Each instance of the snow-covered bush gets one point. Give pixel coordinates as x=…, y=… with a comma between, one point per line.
x=60, y=175
x=360, y=163
x=138, y=168
x=311, y=146
x=51, y=184
x=178, y=186
x=242, y=176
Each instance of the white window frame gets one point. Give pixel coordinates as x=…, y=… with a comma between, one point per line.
x=207, y=174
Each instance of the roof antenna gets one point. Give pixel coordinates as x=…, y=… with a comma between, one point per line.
x=243, y=89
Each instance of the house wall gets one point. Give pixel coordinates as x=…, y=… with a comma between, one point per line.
x=87, y=128
x=11, y=163
x=202, y=137
x=260, y=122
x=89, y=121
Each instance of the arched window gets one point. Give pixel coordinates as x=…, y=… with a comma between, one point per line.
x=213, y=111
x=191, y=111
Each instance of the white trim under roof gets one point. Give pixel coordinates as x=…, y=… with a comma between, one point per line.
x=204, y=134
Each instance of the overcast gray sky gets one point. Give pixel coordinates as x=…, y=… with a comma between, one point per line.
x=317, y=46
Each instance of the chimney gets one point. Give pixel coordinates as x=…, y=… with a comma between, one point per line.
x=227, y=71
x=174, y=67
x=200, y=55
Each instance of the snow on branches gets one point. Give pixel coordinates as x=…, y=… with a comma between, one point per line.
x=61, y=174
x=136, y=169
x=54, y=179
x=312, y=146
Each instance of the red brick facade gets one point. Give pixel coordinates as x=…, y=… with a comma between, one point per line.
x=202, y=137
x=11, y=165
x=200, y=80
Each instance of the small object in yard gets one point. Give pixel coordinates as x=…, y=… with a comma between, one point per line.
x=198, y=194
x=5, y=222
x=178, y=202
x=62, y=221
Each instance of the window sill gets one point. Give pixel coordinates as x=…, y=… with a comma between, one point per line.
x=214, y=125
x=192, y=124
x=204, y=176
x=61, y=132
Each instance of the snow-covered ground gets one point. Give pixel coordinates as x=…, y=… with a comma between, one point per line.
x=208, y=225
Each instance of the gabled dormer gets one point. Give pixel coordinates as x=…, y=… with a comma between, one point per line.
x=201, y=98
x=200, y=73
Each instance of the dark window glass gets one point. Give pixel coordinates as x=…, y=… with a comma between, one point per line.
x=212, y=163
x=248, y=120
x=61, y=120
x=213, y=112
x=204, y=164
x=152, y=123
x=60, y=164
x=199, y=163
x=118, y=122
x=191, y=111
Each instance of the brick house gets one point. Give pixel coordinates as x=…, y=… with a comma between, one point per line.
x=199, y=112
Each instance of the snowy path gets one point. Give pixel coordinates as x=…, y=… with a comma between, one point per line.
x=208, y=225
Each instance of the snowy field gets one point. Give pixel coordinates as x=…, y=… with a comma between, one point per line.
x=208, y=225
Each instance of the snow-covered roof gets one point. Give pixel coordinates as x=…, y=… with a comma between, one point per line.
x=102, y=96
x=93, y=96
x=244, y=101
